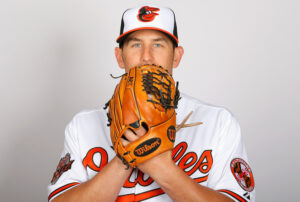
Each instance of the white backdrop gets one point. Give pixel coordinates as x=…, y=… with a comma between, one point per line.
x=56, y=57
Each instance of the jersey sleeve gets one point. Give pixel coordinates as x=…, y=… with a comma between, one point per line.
x=231, y=173
x=70, y=171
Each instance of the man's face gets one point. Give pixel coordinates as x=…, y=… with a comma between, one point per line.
x=148, y=47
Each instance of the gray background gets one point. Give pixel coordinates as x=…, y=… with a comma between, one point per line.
x=55, y=58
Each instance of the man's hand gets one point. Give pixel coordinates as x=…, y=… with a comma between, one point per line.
x=162, y=159
x=133, y=136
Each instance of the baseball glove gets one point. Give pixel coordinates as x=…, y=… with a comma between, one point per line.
x=145, y=97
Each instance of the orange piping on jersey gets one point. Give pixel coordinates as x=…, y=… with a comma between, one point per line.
x=140, y=197
x=234, y=195
x=149, y=194
x=201, y=179
x=61, y=189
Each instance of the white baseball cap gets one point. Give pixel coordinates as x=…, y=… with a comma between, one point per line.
x=149, y=16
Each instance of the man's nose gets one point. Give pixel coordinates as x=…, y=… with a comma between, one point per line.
x=147, y=56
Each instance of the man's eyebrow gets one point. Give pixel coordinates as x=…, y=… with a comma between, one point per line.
x=133, y=39
x=160, y=39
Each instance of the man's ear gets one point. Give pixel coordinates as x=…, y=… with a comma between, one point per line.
x=118, y=54
x=178, y=53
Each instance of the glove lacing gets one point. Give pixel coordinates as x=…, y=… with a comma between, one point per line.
x=183, y=125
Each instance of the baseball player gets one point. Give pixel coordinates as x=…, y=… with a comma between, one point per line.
x=208, y=161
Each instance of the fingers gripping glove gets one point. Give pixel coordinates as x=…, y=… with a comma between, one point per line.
x=145, y=97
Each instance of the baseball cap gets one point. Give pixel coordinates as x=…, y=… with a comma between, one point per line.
x=149, y=16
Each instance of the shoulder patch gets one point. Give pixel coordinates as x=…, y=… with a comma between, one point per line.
x=242, y=173
x=63, y=166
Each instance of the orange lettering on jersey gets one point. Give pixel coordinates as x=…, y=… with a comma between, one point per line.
x=179, y=150
x=206, y=161
x=186, y=161
x=88, y=160
x=139, y=179
x=128, y=183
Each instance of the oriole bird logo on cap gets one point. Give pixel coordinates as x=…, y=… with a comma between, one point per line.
x=147, y=13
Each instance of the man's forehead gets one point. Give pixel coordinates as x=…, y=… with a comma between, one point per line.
x=153, y=35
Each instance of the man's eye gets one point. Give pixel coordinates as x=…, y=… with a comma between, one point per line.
x=157, y=45
x=137, y=45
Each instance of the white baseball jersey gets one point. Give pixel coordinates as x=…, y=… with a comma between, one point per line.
x=212, y=154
